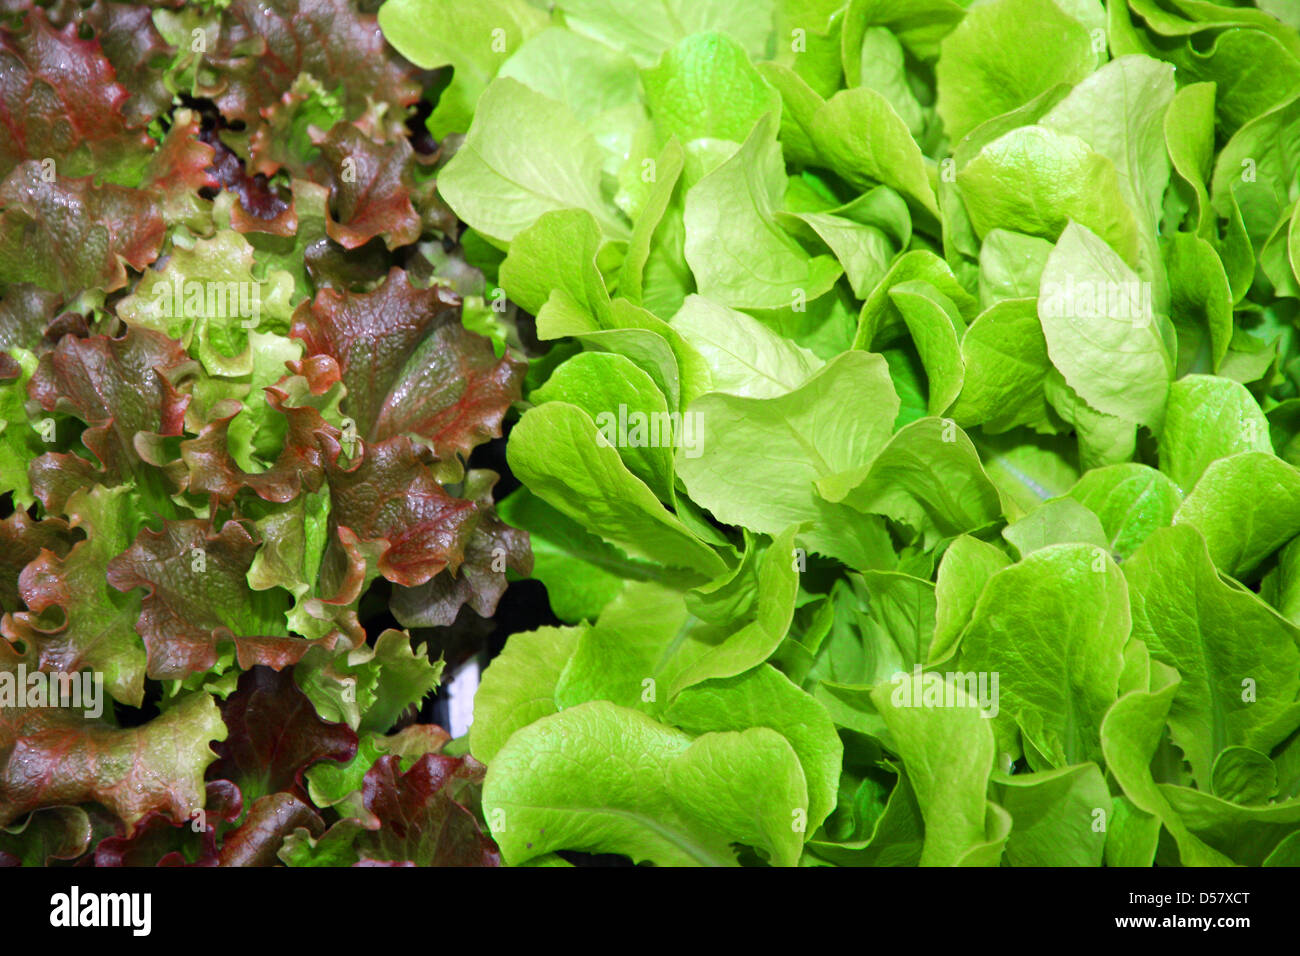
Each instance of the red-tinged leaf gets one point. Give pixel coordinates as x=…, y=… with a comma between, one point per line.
x=390, y=500
x=275, y=735
x=22, y=539
x=183, y=165
x=51, y=756
x=370, y=188
x=284, y=140
x=197, y=598
x=480, y=580
x=128, y=37
x=74, y=619
x=60, y=101
x=264, y=45
x=47, y=835
x=416, y=740
x=386, y=864
x=422, y=814
x=214, y=471
x=258, y=207
x=428, y=816
x=67, y=235
x=158, y=840
x=25, y=313
x=409, y=365
x=259, y=838
x=123, y=389
x=55, y=478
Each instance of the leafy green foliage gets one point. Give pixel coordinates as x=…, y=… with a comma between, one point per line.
x=913, y=466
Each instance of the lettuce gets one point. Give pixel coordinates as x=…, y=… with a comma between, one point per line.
x=239, y=408
x=910, y=455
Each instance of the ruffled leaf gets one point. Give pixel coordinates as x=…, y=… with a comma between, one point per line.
x=409, y=365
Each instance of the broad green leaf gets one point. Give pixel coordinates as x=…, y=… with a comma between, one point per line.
x=1100, y=330
x=1280, y=587
x=474, y=39
x=599, y=84
x=1103, y=439
x=694, y=372
x=1238, y=658
x=739, y=256
x=949, y=753
x=648, y=645
x=1027, y=469
x=763, y=697
x=646, y=30
x=1189, y=138
x=1245, y=776
x=1011, y=266
x=1208, y=418
x=558, y=452
x=839, y=417
x=919, y=24
x=817, y=59
x=929, y=477
x=706, y=88
x=641, y=248
x=1132, y=835
x=627, y=407
x=745, y=358
x=1004, y=357
x=1059, y=521
x=605, y=779
x=1246, y=506
x=880, y=320
x=859, y=135
x=970, y=145
x=966, y=567
x=1004, y=53
x=1131, y=500
x=880, y=67
x=1054, y=816
x=747, y=784
x=1200, y=303
x=893, y=635
x=1036, y=180
x=1119, y=111
x=896, y=837
x=1130, y=733
x=595, y=778
x=799, y=106
x=518, y=687
x=582, y=572
x=864, y=251
x=1246, y=834
x=1261, y=155
x=525, y=155
x=558, y=251
x=935, y=325
x=1053, y=626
